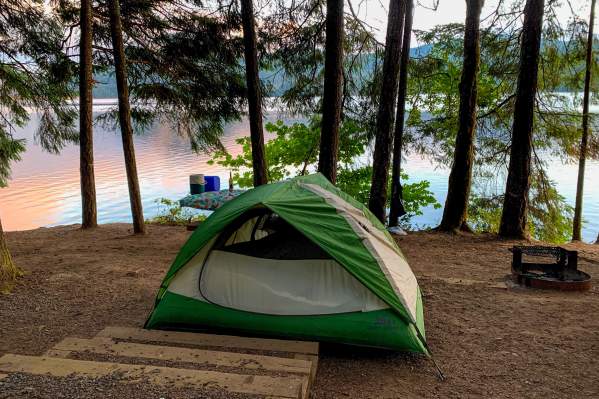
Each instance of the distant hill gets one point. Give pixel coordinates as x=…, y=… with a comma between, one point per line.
x=106, y=85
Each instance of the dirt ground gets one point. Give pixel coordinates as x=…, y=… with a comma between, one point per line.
x=490, y=338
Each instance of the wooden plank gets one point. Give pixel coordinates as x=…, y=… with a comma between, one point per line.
x=313, y=359
x=281, y=387
x=213, y=340
x=107, y=346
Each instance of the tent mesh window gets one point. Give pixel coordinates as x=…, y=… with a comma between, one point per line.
x=262, y=264
x=272, y=238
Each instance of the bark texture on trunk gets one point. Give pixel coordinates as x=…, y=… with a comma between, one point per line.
x=397, y=209
x=385, y=116
x=455, y=212
x=333, y=86
x=577, y=225
x=120, y=66
x=515, y=206
x=9, y=272
x=254, y=93
x=86, y=140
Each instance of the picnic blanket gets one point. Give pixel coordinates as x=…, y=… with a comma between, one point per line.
x=210, y=200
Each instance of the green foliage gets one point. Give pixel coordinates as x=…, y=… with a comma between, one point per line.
x=172, y=214
x=10, y=151
x=182, y=63
x=484, y=213
x=294, y=151
x=356, y=182
x=202, y=90
x=293, y=147
x=549, y=216
x=433, y=118
x=434, y=92
x=293, y=36
x=34, y=74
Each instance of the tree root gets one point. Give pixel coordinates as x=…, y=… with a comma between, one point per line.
x=463, y=229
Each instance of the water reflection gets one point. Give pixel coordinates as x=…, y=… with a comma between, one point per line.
x=44, y=188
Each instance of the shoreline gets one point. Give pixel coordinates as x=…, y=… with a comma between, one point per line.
x=424, y=230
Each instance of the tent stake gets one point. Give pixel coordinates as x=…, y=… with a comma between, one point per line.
x=440, y=374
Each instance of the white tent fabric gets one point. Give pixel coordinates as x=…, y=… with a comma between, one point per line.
x=282, y=286
x=186, y=281
x=399, y=274
x=272, y=286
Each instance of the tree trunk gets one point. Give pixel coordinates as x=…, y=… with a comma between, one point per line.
x=86, y=139
x=385, y=115
x=8, y=271
x=254, y=94
x=333, y=86
x=120, y=67
x=515, y=206
x=577, y=225
x=455, y=212
x=397, y=208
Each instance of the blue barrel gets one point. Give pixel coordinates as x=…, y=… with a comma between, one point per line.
x=197, y=184
x=212, y=183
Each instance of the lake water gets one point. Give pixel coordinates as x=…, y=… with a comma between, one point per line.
x=44, y=188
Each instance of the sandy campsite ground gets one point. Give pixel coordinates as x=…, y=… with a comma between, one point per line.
x=491, y=339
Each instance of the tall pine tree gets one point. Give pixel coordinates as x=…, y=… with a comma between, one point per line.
x=397, y=209
x=584, y=141
x=120, y=68
x=333, y=86
x=89, y=212
x=455, y=212
x=34, y=74
x=385, y=116
x=514, y=215
x=254, y=92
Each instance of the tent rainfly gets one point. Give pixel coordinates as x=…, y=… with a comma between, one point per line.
x=297, y=259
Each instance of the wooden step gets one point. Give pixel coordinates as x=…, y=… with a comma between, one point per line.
x=211, y=340
x=313, y=359
x=276, y=387
x=108, y=346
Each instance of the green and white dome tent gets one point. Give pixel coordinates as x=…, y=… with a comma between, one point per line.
x=296, y=259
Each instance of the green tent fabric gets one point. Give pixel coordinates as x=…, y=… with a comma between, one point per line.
x=341, y=227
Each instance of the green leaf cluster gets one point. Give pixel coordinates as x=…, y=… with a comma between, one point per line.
x=433, y=115
x=35, y=75
x=293, y=150
x=172, y=214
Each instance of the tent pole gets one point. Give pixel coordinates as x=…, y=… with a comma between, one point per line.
x=440, y=374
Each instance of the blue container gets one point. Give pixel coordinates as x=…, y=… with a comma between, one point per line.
x=212, y=183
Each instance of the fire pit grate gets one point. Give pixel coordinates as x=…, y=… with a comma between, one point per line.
x=561, y=274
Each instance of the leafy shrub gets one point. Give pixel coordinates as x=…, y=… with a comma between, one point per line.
x=294, y=151
x=549, y=218
x=172, y=214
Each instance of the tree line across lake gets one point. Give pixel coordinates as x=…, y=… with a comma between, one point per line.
x=484, y=97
